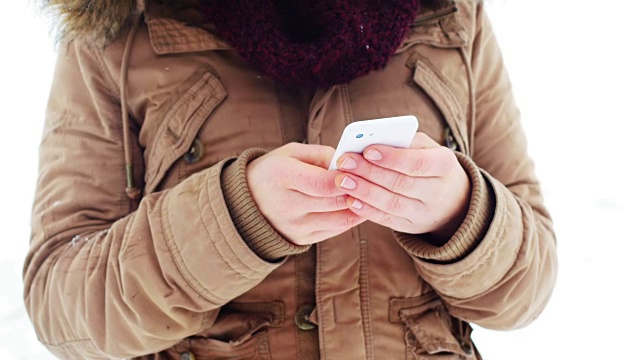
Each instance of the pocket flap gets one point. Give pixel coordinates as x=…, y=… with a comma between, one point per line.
x=432, y=330
x=238, y=322
x=430, y=325
x=200, y=96
x=433, y=83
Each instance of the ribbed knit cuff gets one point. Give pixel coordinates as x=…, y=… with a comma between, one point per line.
x=252, y=226
x=471, y=231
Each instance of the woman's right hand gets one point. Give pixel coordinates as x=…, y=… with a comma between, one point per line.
x=297, y=194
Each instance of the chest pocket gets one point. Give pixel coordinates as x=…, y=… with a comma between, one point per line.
x=201, y=94
x=438, y=41
x=430, y=80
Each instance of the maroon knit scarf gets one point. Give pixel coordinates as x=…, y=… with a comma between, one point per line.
x=313, y=43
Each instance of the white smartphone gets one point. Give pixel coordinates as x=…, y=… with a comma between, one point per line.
x=357, y=136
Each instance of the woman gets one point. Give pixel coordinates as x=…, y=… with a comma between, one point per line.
x=184, y=210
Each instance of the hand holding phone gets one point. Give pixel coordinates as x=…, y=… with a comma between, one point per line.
x=357, y=136
x=416, y=187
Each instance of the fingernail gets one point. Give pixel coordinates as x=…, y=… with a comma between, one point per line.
x=373, y=155
x=357, y=204
x=348, y=183
x=348, y=164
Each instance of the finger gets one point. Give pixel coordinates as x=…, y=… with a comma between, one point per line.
x=377, y=216
x=377, y=196
x=299, y=205
x=313, y=204
x=391, y=180
x=316, y=227
x=312, y=181
x=423, y=141
x=336, y=222
x=430, y=162
x=316, y=155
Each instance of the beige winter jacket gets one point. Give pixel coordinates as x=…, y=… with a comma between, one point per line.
x=192, y=269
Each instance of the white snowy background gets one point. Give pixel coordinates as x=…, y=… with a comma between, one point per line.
x=575, y=68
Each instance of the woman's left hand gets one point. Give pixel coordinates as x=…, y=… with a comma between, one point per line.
x=422, y=189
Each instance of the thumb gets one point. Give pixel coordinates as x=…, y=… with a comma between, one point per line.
x=317, y=155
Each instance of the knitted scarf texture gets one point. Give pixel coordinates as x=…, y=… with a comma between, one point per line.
x=313, y=43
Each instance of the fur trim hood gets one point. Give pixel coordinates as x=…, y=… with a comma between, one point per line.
x=98, y=20
x=103, y=20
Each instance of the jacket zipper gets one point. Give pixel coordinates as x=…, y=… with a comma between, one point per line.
x=437, y=15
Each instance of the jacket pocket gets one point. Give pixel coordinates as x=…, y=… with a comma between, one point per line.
x=196, y=100
x=431, y=333
x=448, y=100
x=240, y=332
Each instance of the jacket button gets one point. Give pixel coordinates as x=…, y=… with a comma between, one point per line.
x=187, y=356
x=195, y=153
x=466, y=347
x=302, y=318
x=450, y=140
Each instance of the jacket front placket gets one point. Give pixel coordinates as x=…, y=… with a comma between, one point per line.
x=341, y=276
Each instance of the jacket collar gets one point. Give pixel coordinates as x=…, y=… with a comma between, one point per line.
x=447, y=27
x=170, y=36
x=173, y=30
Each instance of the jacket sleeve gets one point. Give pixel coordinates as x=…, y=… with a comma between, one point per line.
x=499, y=268
x=102, y=279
